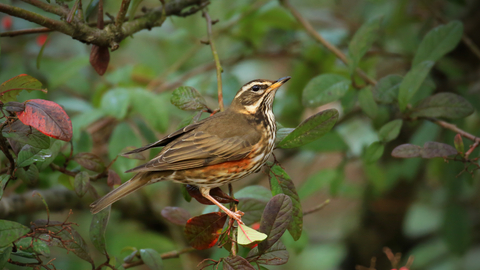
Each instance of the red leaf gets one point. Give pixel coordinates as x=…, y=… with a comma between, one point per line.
x=176, y=215
x=99, y=59
x=202, y=232
x=236, y=263
x=47, y=117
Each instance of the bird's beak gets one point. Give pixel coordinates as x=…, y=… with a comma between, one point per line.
x=278, y=83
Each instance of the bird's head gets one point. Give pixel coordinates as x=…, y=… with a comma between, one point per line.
x=256, y=94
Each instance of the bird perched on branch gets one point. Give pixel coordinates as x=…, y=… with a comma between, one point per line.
x=218, y=150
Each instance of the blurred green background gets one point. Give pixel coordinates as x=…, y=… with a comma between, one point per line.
x=414, y=206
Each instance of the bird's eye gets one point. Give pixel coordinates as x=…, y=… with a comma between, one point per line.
x=255, y=88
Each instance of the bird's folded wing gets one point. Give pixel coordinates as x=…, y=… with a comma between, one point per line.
x=165, y=140
x=197, y=149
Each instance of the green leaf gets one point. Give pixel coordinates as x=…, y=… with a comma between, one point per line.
x=311, y=129
x=29, y=176
x=98, y=226
x=55, y=146
x=281, y=183
x=367, y=103
x=324, y=89
x=115, y=102
x=247, y=235
x=151, y=258
x=153, y=108
x=188, y=99
x=374, y=152
x=3, y=182
x=26, y=135
x=281, y=134
x=72, y=240
x=386, y=90
x=316, y=182
x=11, y=231
x=438, y=42
x=446, y=105
x=390, y=130
x=34, y=246
x=458, y=142
x=255, y=192
x=362, y=41
x=29, y=154
x=10, y=89
x=81, y=183
x=412, y=82
x=253, y=209
x=456, y=228
x=275, y=220
x=5, y=255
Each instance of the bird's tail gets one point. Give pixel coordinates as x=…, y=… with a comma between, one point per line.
x=138, y=181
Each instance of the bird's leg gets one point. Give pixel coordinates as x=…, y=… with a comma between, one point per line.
x=234, y=215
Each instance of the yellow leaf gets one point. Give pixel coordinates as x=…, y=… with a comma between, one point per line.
x=247, y=235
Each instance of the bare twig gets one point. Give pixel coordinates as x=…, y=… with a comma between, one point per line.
x=311, y=31
x=316, y=208
x=122, y=13
x=108, y=37
x=168, y=255
x=25, y=32
x=454, y=128
x=216, y=58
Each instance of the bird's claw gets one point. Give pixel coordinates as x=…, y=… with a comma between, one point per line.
x=238, y=216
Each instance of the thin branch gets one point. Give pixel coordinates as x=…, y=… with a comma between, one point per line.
x=122, y=13
x=316, y=208
x=216, y=58
x=55, y=9
x=454, y=128
x=168, y=255
x=311, y=31
x=108, y=37
x=25, y=32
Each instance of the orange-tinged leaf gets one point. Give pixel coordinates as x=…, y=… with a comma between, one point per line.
x=202, y=231
x=247, y=235
x=47, y=117
x=11, y=88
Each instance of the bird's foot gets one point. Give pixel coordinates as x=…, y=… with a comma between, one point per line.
x=236, y=216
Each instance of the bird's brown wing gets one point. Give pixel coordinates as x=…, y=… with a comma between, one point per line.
x=198, y=149
x=165, y=140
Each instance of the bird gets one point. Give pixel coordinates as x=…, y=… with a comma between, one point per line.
x=217, y=150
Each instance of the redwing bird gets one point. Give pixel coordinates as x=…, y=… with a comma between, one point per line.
x=220, y=149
